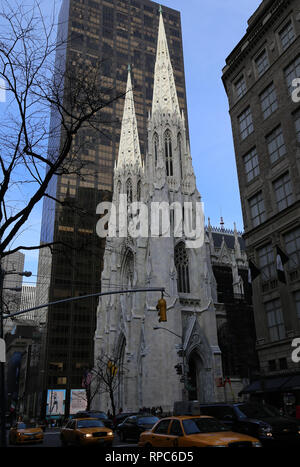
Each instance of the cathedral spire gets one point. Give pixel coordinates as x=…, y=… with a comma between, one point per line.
x=165, y=97
x=129, y=148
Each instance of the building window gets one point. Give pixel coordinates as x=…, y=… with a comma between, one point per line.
x=275, y=320
x=240, y=87
x=246, y=123
x=292, y=246
x=257, y=209
x=179, y=142
x=182, y=267
x=266, y=262
x=276, y=145
x=251, y=165
x=283, y=192
x=297, y=301
x=283, y=363
x=139, y=190
x=129, y=191
x=297, y=124
x=268, y=101
x=272, y=365
x=292, y=72
x=287, y=35
x=156, y=149
x=262, y=63
x=168, y=153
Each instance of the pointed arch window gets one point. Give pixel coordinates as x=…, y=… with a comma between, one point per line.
x=179, y=142
x=139, y=190
x=129, y=191
x=168, y=153
x=182, y=267
x=119, y=189
x=155, y=139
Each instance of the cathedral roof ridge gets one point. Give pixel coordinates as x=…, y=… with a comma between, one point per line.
x=221, y=230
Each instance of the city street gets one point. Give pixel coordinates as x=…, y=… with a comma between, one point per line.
x=52, y=440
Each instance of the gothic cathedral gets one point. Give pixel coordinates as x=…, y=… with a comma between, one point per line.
x=127, y=324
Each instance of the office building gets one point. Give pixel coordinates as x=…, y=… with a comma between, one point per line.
x=265, y=115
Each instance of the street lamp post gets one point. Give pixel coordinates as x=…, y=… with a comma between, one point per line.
x=4, y=273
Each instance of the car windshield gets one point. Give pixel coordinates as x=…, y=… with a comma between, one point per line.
x=99, y=415
x=24, y=426
x=89, y=424
x=203, y=425
x=147, y=420
x=257, y=411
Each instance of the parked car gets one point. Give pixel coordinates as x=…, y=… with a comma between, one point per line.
x=194, y=431
x=94, y=414
x=86, y=431
x=133, y=426
x=25, y=433
x=260, y=420
x=121, y=417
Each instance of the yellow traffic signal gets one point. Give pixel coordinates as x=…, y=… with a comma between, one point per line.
x=112, y=368
x=162, y=310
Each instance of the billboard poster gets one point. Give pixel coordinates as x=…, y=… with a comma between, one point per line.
x=78, y=401
x=56, y=402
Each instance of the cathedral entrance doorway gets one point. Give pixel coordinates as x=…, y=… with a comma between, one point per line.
x=194, y=371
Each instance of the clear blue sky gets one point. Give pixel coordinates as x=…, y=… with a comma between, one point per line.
x=210, y=32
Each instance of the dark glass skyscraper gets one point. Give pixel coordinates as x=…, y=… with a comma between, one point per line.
x=118, y=33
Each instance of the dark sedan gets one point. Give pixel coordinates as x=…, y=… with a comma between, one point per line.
x=133, y=426
x=259, y=420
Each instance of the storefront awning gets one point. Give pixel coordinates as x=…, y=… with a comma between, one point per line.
x=283, y=383
x=293, y=383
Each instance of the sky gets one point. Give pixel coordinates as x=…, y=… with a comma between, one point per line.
x=210, y=32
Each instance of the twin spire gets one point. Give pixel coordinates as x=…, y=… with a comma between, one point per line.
x=129, y=148
x=165, y=97
x=165, y=100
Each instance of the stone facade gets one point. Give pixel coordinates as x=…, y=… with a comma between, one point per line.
x=258, y=79
x=125, y=322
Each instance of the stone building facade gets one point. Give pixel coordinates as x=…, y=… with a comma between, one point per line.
x=125, y=323
x=260, y=78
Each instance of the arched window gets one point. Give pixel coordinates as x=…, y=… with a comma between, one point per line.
x=139, y=190
x=182, y=267
x=119, y=189
x=128, y=270
x=129, y=191
x=155, y=142
x=168, y=153
x=179, y=141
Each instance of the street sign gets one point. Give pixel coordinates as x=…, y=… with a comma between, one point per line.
x=2, y=351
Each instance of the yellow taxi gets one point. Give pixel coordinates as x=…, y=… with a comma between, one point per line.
x=193, y=431
x=86, y=432
x=23, y=433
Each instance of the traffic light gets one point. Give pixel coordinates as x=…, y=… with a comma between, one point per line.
x=112, y=368
x=162, y=310
x=178, y=368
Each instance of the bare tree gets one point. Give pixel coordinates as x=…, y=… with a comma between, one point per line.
x=107, y=377
x=32, y=152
